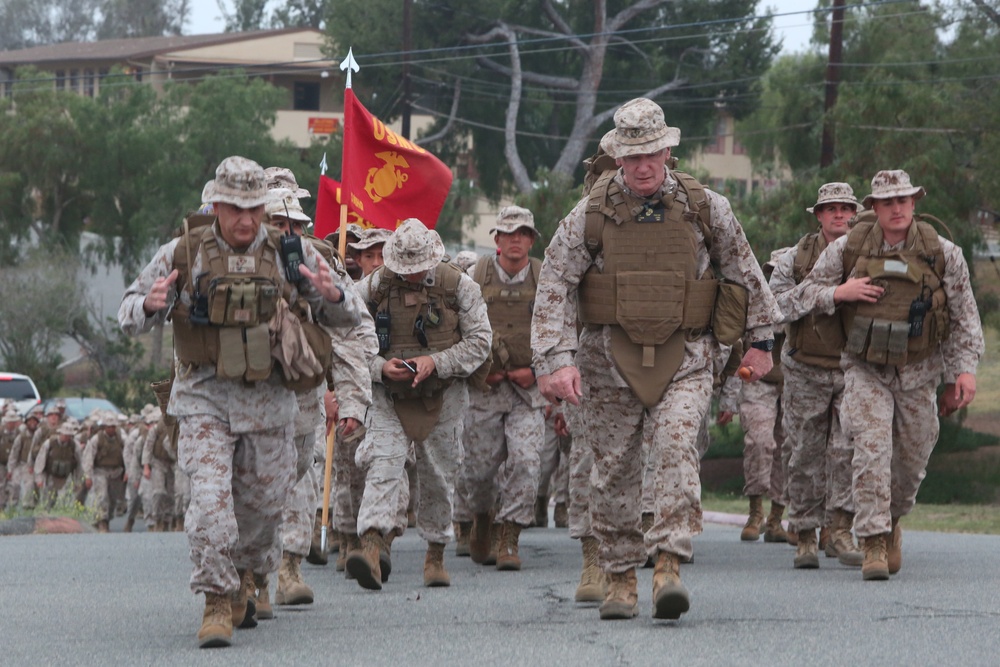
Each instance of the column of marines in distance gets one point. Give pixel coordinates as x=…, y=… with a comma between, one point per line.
x=449, y=388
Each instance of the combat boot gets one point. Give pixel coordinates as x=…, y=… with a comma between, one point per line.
x=363, y=563
x=496, y=537
x=291, y=587
x=647, y=525
x=129, y=525
x=480, y=538
x=894, y=555
x=876, y=564
x=349, y=542
x=622, y=599
x=841, y=543
x=317, y=555
x=102, y=526
x=462, y=532
x=265, y=612
x=242, y=606
x=824, y=537
x=541, y=512
x=670, y=598
x=385, y=556
x=434, y=573
x=216, y=623
x=807, y=551
x=773, y=530
x=792, y=537
x=560, y=515
x=592, y=586
x=755, y=520
x=508, y=558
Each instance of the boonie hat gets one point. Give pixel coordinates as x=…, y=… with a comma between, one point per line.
x=51, y=409
x=353, y=229
x=284, y=204
x=67, y=428
x=892, y=183
x=11, y=418
x=834, y=193
x=512, y=218
x=465, y=259
x=371, y=236
x=279, y=177
x=639, y=130
x=238, y=181
x=412, y=248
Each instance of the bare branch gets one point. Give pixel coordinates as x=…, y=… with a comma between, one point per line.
x=990, y=12
x=444, y=131
x=618, y=21
x=561, y=25
x=560, y=82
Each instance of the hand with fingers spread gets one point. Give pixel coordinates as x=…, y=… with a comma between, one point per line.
x=323, y=282
x=156, y=300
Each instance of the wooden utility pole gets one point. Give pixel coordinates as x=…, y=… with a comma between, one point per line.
x=828, y=148
x=407, y=28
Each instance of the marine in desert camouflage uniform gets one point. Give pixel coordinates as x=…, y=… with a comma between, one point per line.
x=669, y=371
x=910, y=320
x=235, y=413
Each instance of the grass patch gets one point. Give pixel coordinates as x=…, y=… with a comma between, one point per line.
x=66, y=506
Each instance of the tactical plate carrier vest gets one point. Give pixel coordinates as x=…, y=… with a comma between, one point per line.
x=509, y=307
x=110, y=451
x=61, y=459
x=911, y=318
x=6, y=444
x=816, y=339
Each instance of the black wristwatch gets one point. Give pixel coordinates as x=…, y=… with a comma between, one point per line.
x=766, y=345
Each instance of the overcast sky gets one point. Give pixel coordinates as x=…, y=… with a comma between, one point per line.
x=795, y=27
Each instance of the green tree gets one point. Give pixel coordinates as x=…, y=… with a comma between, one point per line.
x=537, y=86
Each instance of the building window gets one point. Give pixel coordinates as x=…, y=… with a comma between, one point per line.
x=738, y=148
x=60, y=79
x=74, y=81
x=306, y=96
x=88, y=82
x=718, y=147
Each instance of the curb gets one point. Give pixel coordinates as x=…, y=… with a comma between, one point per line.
x=43, y=525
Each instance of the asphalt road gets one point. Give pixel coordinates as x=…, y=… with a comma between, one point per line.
x=122, y=599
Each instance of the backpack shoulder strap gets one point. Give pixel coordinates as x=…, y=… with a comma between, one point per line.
x=698, y=201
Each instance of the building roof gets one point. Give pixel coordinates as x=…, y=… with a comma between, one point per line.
x=136, y=48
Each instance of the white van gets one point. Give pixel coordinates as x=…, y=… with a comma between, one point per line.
x=19, y=389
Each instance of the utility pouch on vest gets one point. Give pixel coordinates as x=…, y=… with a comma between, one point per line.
x=899, y=336
x=729, y=320
x=650, y=307
x=61, y=468
x=161, y=389
x=878, y=348
x=232, y=361
x=218, y=300
x=419, y=416
x=259, y=361
x=857, y=337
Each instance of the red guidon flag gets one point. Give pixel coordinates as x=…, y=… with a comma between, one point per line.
x=328, y=209
x=389, y=178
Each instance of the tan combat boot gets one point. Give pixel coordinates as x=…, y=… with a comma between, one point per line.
x=462, y=531
x=670, y=598
x=349, y=542
x=317, y=555
x=496, y=537
x=541, y=512
x=755, y=520
x=363, y=565
x=507, y=555
x=876, y=564
x=824, y=537
x=102, y=526
x=647, y=525
x=793, y=538
x=480, y=538
x=894, y=556
x=622, y=599
x=592, y=586
x=560, y=515
x=385, y=556
x=434, y=573
x=265, y=612
x=773, y=530
x=841, y=543
x=291, y=587
x=129, y=525
x=242, y=605
x=807, y=552
x=217, y=622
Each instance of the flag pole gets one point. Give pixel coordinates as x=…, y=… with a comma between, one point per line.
x=349, y=65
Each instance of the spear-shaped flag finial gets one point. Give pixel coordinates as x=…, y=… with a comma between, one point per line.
x=323, y=166
x=349, y=65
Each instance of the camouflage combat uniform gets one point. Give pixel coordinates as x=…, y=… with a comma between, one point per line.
x=104, y=464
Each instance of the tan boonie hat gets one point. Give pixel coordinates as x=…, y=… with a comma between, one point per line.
x=51, y=409
x=371, y=236
x=834, y=193
x=465, y=259
x=353, y=229
x=11, y=418
x=284, y=204
x=639, y=130
x=512, y=218
x=892, y=183
x=412, y=248
x=67, y=428
x=279, y=177
x=238, y=181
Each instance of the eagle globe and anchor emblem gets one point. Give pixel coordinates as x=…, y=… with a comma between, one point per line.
x=383, y=181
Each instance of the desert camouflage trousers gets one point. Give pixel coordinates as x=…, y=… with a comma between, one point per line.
x=22, y=488
x=614, y=420
x=763, y=436
x=107, y=492
x=819, y=464
x=502, y=430
x=581, y=465
x=553, y=460
x=298, y=514
x=161, y=482
x=239, y=484
x=53, y=487
x=382, y=456
x=893, y=432
x=182, y=492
